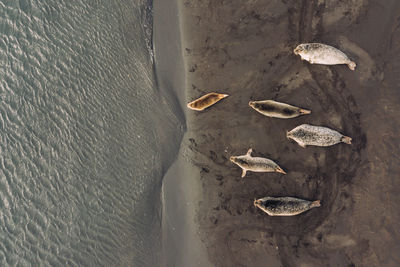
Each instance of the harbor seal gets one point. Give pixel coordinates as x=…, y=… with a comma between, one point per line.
x=255, y=164
x=205, y=101
x=271, y=108
x=285, y=206
x=306, y=134
x=317, y=53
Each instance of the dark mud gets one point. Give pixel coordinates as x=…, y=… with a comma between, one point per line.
x=245, y=49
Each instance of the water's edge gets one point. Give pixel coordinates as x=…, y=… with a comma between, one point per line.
x=181, y=188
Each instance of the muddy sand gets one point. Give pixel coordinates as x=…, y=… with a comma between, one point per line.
x=245, y=49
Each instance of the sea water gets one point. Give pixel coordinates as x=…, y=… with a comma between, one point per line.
x=80, y=149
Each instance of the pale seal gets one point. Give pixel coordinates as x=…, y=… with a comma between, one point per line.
x=276, y=109
x=285, y=206
x=205, y=101
x=317, y=53
x=255, y=164
x=309, y=135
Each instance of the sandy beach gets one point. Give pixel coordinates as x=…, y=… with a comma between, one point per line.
x=245, y=49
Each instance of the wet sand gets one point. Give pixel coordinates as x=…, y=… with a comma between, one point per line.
x=181, y=187
x=244, y=49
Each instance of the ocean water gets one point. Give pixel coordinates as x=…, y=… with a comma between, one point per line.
x=82, y=125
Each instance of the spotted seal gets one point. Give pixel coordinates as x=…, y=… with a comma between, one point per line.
x=255, y=164
x=317, y=53
x=205, y=101
x=309, y=135
x=271, y=108
x=285, y=206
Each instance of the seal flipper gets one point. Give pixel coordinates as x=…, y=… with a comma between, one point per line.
x=352, y=65
x=279, y=169
x=315, y=204
x=304, y=111
x=243, y=173
x=249, y=152
x=346, y=140
x=301, y=144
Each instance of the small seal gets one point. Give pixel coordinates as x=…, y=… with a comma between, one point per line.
x=285, y=206
x=271, y=108
x=205, y=101
x=309, y=135
x=255, y=164
x=317, y=53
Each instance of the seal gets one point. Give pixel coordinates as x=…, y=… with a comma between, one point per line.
x=255, y=164
x=309, y=135
x=285, y=206
x=317, y=53
x=271, y=108
x=205, y=101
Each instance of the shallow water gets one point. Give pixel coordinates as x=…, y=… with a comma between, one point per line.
x=80, y=164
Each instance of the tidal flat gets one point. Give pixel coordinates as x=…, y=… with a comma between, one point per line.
x=245, y=49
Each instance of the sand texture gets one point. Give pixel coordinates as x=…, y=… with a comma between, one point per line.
x=245, y=49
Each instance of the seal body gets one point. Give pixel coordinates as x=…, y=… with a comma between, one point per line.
x=255, y=164
x=285, y=206
x=317, y=53
x=205, y=101
x=309, y=135
x=276, y=109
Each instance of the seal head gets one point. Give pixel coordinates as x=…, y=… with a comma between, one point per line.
x=302, y=48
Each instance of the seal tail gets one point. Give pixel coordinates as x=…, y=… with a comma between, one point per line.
x=279, y=169
x=352, y=65
x=315, y=204
x=304, y=111
x=346, y=139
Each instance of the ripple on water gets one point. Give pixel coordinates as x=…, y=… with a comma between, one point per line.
x=77, y=89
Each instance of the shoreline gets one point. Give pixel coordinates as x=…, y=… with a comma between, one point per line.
x=181, y=190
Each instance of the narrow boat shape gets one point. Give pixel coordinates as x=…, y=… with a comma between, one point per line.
x=206, y=101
